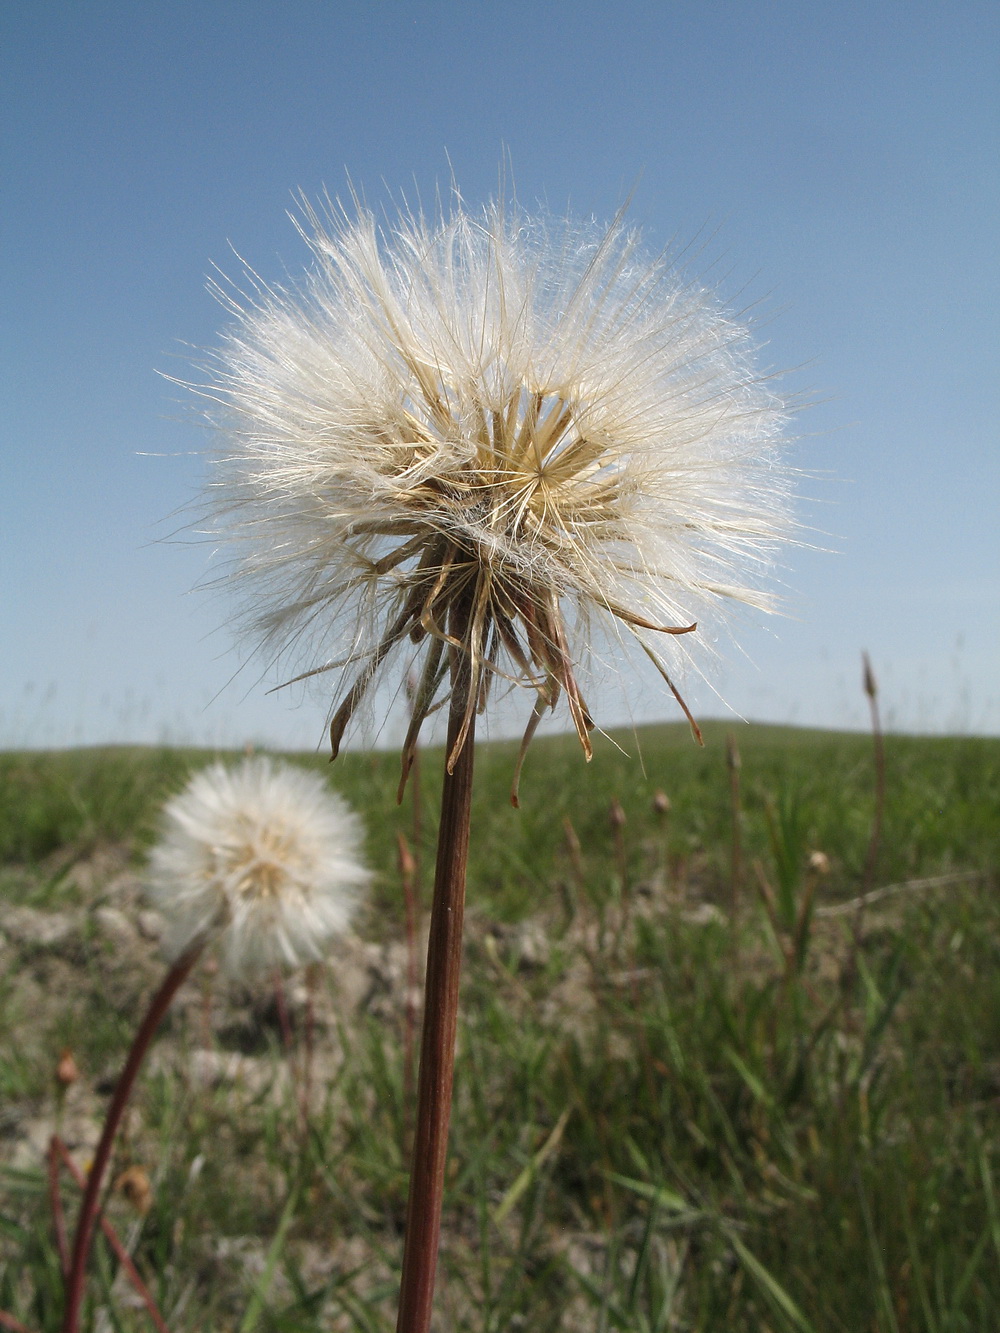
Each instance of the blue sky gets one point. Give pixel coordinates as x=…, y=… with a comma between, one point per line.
x=837, y=165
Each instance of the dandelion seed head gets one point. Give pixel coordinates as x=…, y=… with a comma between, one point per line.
x=263, y=855
x=477, y=434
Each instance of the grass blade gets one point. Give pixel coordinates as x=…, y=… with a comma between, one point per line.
x=769, y=1286
x=258, y=1298
x=526, y=1176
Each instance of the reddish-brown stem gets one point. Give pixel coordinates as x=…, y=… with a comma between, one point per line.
x=158, y=1007
x=298, y=1072
x=309, y=1045
x=206, y=1004
x=284, y=1018
x=124, y=1258
x=617, y=820
x=55, y=1203
x=437, y=1052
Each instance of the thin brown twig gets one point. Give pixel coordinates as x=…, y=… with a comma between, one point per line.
x=158, y=1007
x=800, y=935
x=55, y=1203
x=299, y=1073
x=124, y=1258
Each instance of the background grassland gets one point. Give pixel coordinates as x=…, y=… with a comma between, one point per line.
x=681, y=1103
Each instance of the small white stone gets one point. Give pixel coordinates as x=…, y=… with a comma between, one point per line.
x=25, y=925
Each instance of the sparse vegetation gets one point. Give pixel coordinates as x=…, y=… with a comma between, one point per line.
x=668, y=1116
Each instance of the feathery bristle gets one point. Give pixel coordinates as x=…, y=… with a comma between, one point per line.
x=475, y=435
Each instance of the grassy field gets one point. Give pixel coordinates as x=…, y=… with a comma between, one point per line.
x=697, y=1087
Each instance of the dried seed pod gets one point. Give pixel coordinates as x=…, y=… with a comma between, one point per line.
x=67, y=1071
x=136, y=1188
x=661, y=803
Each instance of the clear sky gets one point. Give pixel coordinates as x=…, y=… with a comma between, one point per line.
x=838, y=165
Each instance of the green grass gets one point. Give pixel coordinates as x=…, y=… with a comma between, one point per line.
x=667, y=1117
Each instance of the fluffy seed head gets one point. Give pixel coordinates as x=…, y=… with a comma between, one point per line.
x=263, y=854
x=475, y=435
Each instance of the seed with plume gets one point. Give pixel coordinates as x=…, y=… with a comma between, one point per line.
x=477, y=435
x=262, y=854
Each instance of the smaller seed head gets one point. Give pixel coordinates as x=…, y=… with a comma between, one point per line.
x=262, y=855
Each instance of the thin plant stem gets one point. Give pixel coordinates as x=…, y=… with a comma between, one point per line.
x=309, y=1048
x=284, y=1018
x=296, y=1071
x=734, y=764
x=617, y=820
x=870, y=686
x=158, y=1007
x=123, y=1256
x=878, y=743
x=55, y=1203
x=661, y=808
x=437, y=1052
x=207, y=989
